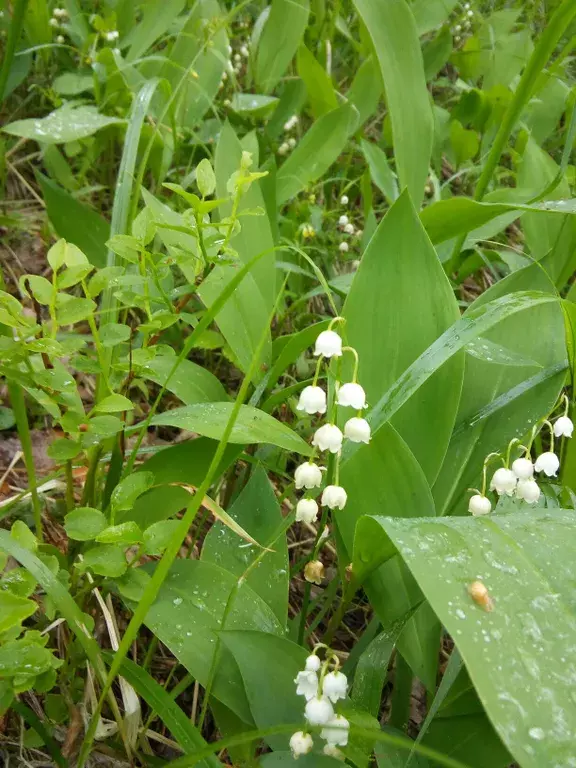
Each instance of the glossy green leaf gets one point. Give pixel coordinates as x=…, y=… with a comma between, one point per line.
x=73, y=84
x=14, y=609
x=84, y=523
x=283, y=31
x=257, y=511
x=63, y=449
x=380, y=172
x=114, y=403
x=21, y=657
x=129, y=489
x=524, y=562
x=256, y=105
x=205, y=177
x=114, y=333
x=191, y=382
x=105, y=560
x=72, y=309
x=125, y=533
x=68, y=123
x=187, y=618
x=389, y=335
x=252, y=425
x=316, y=151
x=392, y=29
x=366, y=89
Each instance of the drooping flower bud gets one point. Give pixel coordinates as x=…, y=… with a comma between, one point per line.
x=479, y=505
x=306, y=684
x=314, y=572
x=352, y=395
x=563, y=427
x=343, y=220
x=503, y=482
x=312, y=400
x=528, y=490
x=319, y=711
x=344, y=200
x=306, y=511
x=329, y=344
x=335, y=732
x=523, y=468
x=334, y=497
x=328, y=438
x=300, y=743
x=357, y=430
x=349, y=228
x=334, y=686
x=308, y=475
x=313, y=663
x=548, y=463
x=343, y=247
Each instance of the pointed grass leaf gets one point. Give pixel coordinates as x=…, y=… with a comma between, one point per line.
x=524, y=561
x=392, y=29
x=283, y=31
x=252, y=425
x=191, y=383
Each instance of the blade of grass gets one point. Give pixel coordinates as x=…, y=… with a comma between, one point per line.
x=551, y=34
x=13, y=36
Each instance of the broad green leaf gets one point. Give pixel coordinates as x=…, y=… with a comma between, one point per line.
x=465, y=143
x=14, y=609
x=436, y=53
x=129, y=489
x=73, y=84
x=185, y=463
x=159, y=701
x=380, y=172
x=445, y=219
x=524, y=561
x=316, y=151
x=251, y=426
x=21, y=657
x=125, y=533
x=72, y=309
x=190, y=382
x=187, y=618
x=205, y=178
x=392, y=29
x=389, y=335
x=105, y=560
x=158, y=535
x=286, y=760
x=63, y=449
x=318, y=83
x=114, y=404
x=75, y=222
x=430, y=14
x=68, y=123
x=255, y=105
x=283, y=31
x=84, y=523
x=114, y=333
x=485, y=381
x=366, y=89
x=19, y=582
x=257, y=510
x=156, y=20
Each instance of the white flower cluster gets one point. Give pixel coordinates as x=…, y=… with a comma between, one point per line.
x=289, y=144
x=59, y=15
x=329, y=437
x=347, y=227
x=464, y=23
x=518, y=480
x=321, y=689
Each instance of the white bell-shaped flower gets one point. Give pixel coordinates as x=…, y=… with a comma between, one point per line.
x=349, y=228
x=352, y=395
x=334, y=497
x=306, y=511
x=343, y=247
x=300, y=743
x=328, y=438
x=479, y=505
x=329, y=344
x=548, y=463
x=319, y=711
x=523, y=468
x=343, y=220
x=563, y=427
x=357, y=430
x=344, y=200
x=313, y=663
x=334, y=686
x=336, y=731
x=332, y=751
x=308, y=475
x=312, y=400
x=306, y=684
x=528, y=490
x=503, y=482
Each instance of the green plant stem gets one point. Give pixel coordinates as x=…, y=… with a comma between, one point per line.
x=547, y=42
x=14, y=32
x=69, y=486
x=18, y=403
